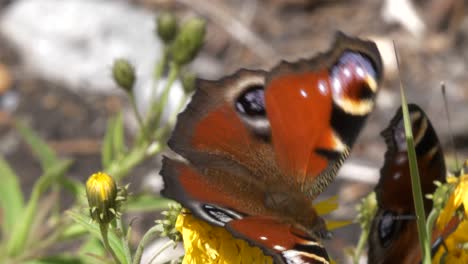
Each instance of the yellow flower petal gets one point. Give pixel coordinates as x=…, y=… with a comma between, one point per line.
x=333, y=224
x=208, y=244
x=326, y=206
x=453, y=251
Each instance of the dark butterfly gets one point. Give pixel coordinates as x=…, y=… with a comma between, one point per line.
x=393, y=237
x=260, y=146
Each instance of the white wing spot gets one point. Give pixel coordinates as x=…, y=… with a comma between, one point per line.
x=279, y=248
x=322, y=85
x=360, y=72
x=346, y=72
x=337, y=86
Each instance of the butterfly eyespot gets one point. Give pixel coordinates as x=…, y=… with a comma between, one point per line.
x=387, y=227
x=252, y=102
x=354, y=84
x=251, y=108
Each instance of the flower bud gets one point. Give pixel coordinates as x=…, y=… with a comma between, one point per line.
x=366, y=210
x=189, y=41
x=166, y=27
x=441, y=194
x=124, y=74
x=101, y=191
x=167, y=226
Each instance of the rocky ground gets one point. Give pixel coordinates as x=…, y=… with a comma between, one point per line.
x=60, y=69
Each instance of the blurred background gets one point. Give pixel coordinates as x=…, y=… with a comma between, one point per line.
x=56, y=58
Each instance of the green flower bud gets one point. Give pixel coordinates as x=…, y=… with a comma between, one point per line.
x=441, y=194
x=124, y=74
x=101, y=191
x=366, y=210
x=188, y=81
x=167, y=225
x=166, y=27
x=189, y=41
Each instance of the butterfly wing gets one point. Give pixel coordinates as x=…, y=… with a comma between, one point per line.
x=241, y=161
x=394, y=232
x=282, y=241
x=317, y=107
x=216, y=205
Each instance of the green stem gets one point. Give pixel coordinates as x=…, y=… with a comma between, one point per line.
x=161, y=133
x=162, y=102
x=161, y=250
x=158, y=72
x=119, y=168
x=105, y=241
x=124, y=241
x=144, y=241
x=430, y=222
x=135, y=110
x=360, y=245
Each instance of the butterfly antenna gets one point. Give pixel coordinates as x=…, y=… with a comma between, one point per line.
x=449, y=123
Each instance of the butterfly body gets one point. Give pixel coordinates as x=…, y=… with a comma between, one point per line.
x=260, y=146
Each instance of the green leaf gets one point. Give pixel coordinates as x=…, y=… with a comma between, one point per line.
x=146, y=202
x=11, y=197
x=74, y=187
x=57, y=260
x=107, y=146
x=73, y=231
x=50, y=176
x=93, y=251
x=416, y=183
x=39, y=147
x=93, y=228
x=414, y=172
x=113, y=146
x=21, y=230
x=118, y=141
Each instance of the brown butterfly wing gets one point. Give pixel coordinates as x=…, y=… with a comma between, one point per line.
x=215, y=203
x=394, y=232
x=284, y=242
x=234, y=137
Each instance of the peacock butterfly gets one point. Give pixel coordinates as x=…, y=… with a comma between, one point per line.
x=259, y=146
x=393, y=236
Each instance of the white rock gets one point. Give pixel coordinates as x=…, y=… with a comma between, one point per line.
x=403, y=13
x=76, y=41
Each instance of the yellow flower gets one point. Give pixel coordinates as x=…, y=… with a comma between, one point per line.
x=209, y=244
x=458, y=198
x=455, y=250
x=101, y=191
